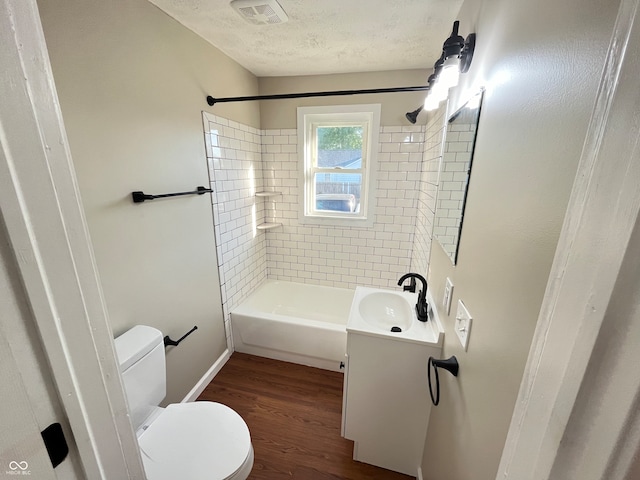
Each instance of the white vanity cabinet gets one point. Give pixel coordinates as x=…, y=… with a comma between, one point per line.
x=386, y=402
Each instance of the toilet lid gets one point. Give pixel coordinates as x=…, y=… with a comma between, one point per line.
x=200, y=440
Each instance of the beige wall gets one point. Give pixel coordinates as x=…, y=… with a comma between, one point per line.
x=541, y=64
x=282, y=113
x=132, y=84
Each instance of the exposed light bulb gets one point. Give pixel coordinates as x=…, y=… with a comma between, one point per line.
x=450, y=73
x=440, y=91
x=430, y=103
x=437, y=94
x=447, y=78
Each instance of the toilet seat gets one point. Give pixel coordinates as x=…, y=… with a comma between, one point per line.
x=200, y=440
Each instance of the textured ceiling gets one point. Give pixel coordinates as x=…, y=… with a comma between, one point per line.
x=324, y=36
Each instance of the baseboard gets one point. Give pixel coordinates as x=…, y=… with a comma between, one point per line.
x=325, y=364
x=207, y=377
x=420, y=473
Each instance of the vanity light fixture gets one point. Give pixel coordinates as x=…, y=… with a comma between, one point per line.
x=457, y=53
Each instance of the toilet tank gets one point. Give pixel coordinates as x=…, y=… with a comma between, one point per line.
x=140, y=353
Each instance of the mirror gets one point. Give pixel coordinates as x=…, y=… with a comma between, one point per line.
x=455, y=170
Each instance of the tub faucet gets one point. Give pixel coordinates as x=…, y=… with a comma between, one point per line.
x=421, y=306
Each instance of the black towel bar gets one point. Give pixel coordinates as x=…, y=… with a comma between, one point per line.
x=139, y=197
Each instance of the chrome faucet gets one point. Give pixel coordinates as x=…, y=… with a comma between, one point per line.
x=421, y=306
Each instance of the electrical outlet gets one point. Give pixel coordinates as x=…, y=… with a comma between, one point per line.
x=448, y=295
x=463, y=324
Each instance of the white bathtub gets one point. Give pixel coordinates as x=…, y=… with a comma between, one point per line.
x=294, y=322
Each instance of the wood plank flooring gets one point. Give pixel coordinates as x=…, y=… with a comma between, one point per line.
x=294, y=416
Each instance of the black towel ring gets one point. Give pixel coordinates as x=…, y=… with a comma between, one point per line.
x=450, y=364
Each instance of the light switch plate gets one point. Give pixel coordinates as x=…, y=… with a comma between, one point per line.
x=448, y=295
x=463, y=324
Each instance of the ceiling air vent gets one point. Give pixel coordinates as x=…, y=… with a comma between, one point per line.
x=260, y=12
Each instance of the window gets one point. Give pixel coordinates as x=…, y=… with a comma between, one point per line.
x=338, y=147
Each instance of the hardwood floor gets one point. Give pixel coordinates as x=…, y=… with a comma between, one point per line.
x=294, y=415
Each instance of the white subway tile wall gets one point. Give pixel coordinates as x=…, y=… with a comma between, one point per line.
x=434, y=138
x=235, y=173
x=243, y=160
x=345, y=256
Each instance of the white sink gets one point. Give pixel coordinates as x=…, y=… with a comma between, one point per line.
x=391, y=314
x=386, y=311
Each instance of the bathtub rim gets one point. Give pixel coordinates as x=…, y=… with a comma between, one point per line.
x=247, y=310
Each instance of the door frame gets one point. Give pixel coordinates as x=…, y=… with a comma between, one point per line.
x=42, y=211
x=573, y=413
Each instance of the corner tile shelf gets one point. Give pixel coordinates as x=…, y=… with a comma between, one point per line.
x=268, y=225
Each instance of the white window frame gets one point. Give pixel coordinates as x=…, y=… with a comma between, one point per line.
x=309, y=119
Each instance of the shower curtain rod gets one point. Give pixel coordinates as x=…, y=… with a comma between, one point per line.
x=212, y=101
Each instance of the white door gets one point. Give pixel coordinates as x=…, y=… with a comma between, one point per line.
x=27, y=394
x=577, y=415
x=57, y=360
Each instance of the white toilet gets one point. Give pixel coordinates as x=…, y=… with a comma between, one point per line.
x=199, y=440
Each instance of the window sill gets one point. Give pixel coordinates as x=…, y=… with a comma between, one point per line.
x=336, y=221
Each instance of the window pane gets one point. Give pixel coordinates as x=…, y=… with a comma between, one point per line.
x=339, y=147
x=338, y=192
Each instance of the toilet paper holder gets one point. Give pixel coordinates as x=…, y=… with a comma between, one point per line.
x=175, y=343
